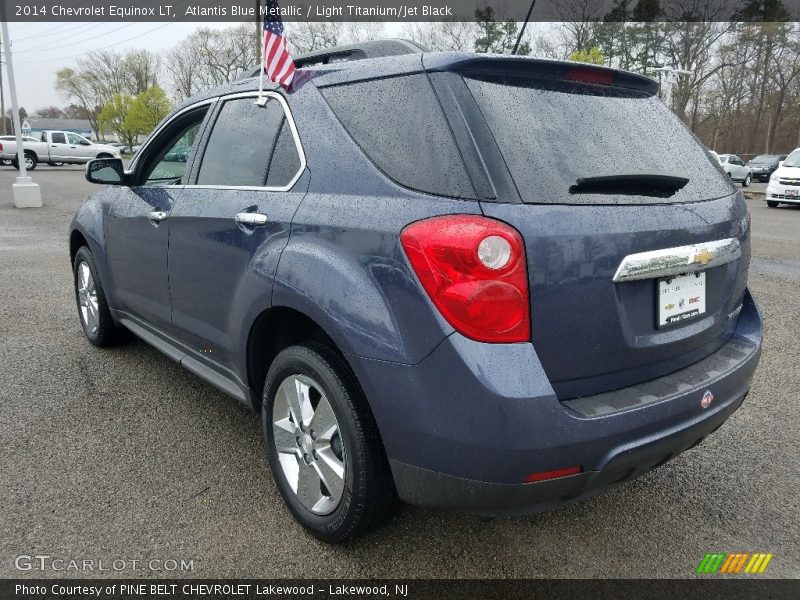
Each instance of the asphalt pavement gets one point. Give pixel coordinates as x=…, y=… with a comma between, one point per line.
x=122, y=455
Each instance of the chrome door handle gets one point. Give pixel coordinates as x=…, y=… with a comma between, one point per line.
x=158, y=215
x=251, y=219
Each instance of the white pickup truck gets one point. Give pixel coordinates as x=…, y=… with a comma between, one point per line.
x=56, y=147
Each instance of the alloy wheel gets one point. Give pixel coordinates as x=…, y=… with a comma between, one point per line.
x=87, y=299
x=308, y=442
x=28, y=162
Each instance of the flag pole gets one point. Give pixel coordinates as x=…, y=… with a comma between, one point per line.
x=261, y=100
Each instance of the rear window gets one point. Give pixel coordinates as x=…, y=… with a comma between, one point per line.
x=552, y=133
x=399, y=125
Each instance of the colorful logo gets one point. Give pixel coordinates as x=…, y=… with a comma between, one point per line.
x=739, y=562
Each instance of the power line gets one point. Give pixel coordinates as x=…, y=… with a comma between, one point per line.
x=67, y=29
x=61, y=46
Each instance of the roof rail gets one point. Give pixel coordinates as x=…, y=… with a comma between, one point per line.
x=358, y=51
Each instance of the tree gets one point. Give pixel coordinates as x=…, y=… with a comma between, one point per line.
x=497, y=37
x=114, y=118
x=147, y=110
x=75, y=84
x=443, y=36
x=210, y=58
x=306, y=36
x=50, y=112
x=592, y=55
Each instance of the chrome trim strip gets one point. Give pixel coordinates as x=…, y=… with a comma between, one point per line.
x=298, y=145
x=154, y=134
x=677, y=261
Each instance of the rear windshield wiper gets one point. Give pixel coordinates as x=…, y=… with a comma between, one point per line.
x=633, y=184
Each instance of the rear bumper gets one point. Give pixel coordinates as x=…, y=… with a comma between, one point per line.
x=466, y=426
x=429, y=488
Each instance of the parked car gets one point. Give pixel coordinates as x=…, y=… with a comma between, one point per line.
x=736, y=169
x=784, y=183
x=10, y=138
x=56, y=147
x=764, y=165
x=403, y=269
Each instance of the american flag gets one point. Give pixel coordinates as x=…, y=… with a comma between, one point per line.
x=278, y=63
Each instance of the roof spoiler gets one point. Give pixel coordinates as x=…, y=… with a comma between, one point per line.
x=539, y=68
x=352, y=52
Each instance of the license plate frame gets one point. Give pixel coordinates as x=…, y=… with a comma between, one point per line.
x=680, y=299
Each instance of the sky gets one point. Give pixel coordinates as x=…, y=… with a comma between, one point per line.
x=39, y=50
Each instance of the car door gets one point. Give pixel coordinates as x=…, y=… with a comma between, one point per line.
x=57, y=144
x=739, y=170
x=79, y=148
x=137, y=228
x=246, y=188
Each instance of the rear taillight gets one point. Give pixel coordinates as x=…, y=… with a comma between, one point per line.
x=474, y=271
x=1, y=146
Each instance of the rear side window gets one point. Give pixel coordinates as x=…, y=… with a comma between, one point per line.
x=552, y=133
x=399, y=125
x=248, y=147
x=59, y=138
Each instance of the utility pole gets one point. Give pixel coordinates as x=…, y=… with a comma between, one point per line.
x=26, y=193
x=2, y=95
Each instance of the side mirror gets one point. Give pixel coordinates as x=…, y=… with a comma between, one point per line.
x=780, y=164
x=85, y=143
x=105, y=171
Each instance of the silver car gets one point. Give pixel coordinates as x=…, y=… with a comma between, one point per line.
x=736, y=169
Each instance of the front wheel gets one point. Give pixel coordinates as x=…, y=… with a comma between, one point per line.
x=746, y=182
x=98, y=326
x=323, y=445
x=772, y=204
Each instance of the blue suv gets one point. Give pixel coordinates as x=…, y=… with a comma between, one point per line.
x=490, y=283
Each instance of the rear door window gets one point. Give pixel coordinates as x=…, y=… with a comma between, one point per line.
x=398, y=123
x=250, y=146
x=59, y=138
x=552, y=133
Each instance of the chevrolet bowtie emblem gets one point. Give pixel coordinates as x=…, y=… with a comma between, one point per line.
x=703, y=257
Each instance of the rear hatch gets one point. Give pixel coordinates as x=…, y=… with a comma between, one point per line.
x=600, y=172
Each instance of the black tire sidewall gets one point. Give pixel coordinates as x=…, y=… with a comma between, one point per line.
x=107, y=332
x=302, y=360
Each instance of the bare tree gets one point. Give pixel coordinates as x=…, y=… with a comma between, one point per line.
x=306, y=36
x=444, y=36
x=210, y=58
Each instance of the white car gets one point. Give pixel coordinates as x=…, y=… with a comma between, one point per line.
x=57, y=147
x=10, y=138
x=784, y=183
x=736, y=169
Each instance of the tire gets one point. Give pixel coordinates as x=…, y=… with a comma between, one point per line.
x=104, y=155
x=772, y=204
x=746, y=182
x=7, y=163
x=363, y=497
x=31, y=161
x=55, y=164
x=93, y=311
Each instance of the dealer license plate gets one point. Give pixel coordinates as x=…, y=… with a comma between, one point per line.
x=681, y=298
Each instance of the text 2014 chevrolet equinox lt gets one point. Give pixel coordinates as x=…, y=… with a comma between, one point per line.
x=489, y=283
